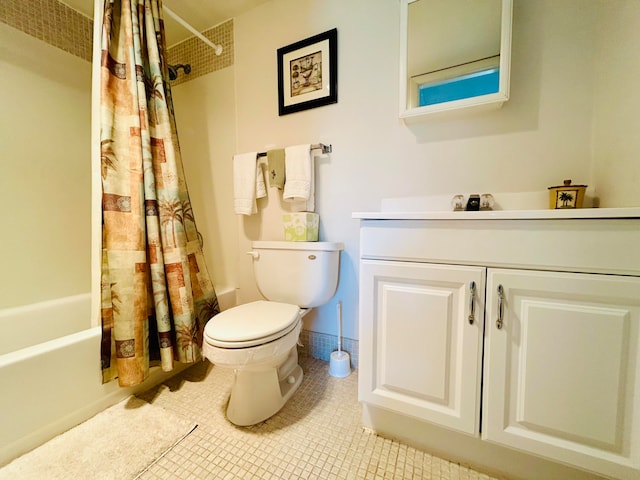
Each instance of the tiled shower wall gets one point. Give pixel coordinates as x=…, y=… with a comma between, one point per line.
x=58, y=25
x=200, y=56
x=52, y=22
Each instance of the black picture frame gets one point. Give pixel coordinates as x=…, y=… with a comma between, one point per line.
x=308, y=73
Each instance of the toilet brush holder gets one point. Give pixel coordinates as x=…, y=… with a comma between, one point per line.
x=339, y=364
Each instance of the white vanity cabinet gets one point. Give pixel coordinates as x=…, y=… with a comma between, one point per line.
x=426, y=354
x=562, y=372
x=550, y=364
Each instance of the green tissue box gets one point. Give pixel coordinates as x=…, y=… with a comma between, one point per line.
x=301, y=227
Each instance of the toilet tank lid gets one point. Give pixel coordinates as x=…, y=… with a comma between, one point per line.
x=282, y=245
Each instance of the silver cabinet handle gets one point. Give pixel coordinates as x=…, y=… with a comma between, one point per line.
x=500, y=319
x=472, y=302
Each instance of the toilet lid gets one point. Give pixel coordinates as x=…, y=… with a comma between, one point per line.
x=251, y=324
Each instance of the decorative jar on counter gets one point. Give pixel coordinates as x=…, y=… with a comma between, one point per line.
x=567, y=195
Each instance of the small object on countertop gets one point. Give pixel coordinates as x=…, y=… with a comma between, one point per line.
x=457, y=203
x=473, y=204
x=566, y=196
x=486, y=201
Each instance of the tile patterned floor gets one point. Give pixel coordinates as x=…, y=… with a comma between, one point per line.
x=317, y=435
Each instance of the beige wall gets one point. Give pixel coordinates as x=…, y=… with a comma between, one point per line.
x=205, y=116
x=543, y=135
x=617, y=107
x=44, y=170
x=551, y=129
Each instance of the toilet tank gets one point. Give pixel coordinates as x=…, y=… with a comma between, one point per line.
x=301, y=273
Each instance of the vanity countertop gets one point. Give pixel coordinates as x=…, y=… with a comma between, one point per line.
x=550, y=214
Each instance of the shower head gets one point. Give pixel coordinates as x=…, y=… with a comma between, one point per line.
x=173, y=70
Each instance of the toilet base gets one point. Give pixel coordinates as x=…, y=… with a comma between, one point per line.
x=260, y=392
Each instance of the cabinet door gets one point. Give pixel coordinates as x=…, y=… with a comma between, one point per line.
x=562, y=375
x=420, y=353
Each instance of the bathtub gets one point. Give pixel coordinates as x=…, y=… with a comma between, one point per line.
x=50, y=373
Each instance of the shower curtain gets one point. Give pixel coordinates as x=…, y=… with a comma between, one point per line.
x=155, y=288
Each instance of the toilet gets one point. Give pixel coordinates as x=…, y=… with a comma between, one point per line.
x=259, y=339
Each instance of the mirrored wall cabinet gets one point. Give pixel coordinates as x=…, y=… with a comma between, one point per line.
x=455, y=56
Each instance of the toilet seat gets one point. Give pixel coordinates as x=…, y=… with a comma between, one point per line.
x=251, y=324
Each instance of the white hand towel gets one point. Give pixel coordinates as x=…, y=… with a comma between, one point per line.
x=244, y=183
x=299, y=178
x=261, y=189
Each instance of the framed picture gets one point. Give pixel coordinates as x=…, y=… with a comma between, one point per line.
x=308, y=73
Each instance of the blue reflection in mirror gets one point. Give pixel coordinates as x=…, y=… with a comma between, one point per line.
x=464, y=86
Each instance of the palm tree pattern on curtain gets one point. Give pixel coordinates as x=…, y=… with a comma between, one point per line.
x=156, y=292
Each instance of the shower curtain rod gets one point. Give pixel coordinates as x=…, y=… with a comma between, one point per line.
x=217, y=48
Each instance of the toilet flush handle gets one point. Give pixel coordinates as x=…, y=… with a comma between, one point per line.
x=255, y=255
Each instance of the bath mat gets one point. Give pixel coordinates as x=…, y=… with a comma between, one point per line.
x=116, y=444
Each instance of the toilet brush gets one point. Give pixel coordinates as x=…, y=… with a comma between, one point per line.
x=339, y=363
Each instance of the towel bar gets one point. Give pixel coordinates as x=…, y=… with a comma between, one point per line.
x=317, y=146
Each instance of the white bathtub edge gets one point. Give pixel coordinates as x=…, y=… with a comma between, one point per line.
x=82, y=377
x=227, y=297
x=36, y=438
x=37, y=323
x=44, y=304
x=46, y=347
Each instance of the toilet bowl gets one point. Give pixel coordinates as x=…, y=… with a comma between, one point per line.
x=258, y=340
